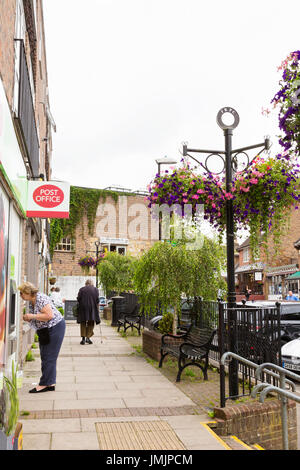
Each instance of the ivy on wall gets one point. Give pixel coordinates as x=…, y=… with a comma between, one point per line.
x=83, y=201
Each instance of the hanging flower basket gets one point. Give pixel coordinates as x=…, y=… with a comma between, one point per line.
x=52, y=280
x=262, y=196
x=88, y=262
x=287, y=99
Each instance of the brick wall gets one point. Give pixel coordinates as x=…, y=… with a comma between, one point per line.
x=7, y=54
x=151, y=343
x=129, y=218
x=258, y=423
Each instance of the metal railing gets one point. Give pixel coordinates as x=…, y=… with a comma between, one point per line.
x=265, y=388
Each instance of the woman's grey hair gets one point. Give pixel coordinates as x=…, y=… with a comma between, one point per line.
x=89, y=282
x=28, y=288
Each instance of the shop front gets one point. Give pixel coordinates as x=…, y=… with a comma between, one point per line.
x=280, y=280
x=250, y=277
x=13, y=195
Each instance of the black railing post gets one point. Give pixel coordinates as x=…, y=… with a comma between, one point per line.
x=231, y=297
x=221, y=333
x=278, y=311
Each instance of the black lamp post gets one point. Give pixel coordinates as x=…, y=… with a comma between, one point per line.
x=163, y=161
x=97, y=244
x=229, y=160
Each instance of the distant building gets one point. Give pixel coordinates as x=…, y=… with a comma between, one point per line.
x=271, y=278
x=124, y=226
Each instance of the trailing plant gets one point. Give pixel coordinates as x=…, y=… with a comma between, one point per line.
x=83, y=202
x=262, y=197
x=287, y=99
x=87, y=262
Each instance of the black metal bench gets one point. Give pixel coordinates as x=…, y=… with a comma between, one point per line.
x=193, y=346
x=130, y=320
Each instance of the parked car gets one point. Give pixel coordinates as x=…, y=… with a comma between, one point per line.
x=102, y=302
x=290, y=355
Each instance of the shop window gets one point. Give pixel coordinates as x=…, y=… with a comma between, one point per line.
x=66, y=244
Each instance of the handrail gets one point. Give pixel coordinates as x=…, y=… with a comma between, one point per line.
x=256, y=366
x=265, y=388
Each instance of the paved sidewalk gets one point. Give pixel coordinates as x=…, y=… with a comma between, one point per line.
x=106, y=383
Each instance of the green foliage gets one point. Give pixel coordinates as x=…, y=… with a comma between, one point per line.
x=13, y=400
x=165, y=273
x=116, y=272
x=29, y=356
x=61, y=310
x=165, y=325
x=83, y=201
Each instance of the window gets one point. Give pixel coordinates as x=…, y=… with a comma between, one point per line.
x=246, y=255
x=66, y=244
x=116, y=248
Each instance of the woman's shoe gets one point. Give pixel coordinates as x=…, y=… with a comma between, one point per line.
x=88, y=341
x=82, y=341
x=50, y=388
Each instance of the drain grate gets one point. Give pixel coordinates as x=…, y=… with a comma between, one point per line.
x=139, y=435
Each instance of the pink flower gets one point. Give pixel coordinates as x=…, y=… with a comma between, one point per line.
x=200, y=191
x=253, y=181
x=213, y=205
x=184, y=194
x=195, y=196
x=245, y=190
x=185, y=200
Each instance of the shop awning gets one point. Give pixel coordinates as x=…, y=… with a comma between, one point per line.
x=293, y=276
x=250, y=268
x=284, y=270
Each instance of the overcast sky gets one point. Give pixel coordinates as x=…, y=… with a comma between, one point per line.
x=130, y=80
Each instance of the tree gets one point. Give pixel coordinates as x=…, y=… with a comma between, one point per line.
x=116, y=272
x=167, y=271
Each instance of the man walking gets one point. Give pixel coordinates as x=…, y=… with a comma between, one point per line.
x=88, y=311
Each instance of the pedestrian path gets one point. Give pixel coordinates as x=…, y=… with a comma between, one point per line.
x=107, y=397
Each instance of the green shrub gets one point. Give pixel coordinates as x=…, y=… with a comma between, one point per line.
x=29, y=356
x=165, y=325
x=61, y=310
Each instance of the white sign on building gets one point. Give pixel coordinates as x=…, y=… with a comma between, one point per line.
x=48, y=199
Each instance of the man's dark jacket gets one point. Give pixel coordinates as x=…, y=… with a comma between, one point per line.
x=88, y=299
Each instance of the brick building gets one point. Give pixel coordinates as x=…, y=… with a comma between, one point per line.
x=124, y=225
x=270, y=279
x=26, y=125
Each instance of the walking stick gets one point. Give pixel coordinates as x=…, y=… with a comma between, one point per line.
x=101, y=340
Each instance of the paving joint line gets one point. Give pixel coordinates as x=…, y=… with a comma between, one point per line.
x=113, y=412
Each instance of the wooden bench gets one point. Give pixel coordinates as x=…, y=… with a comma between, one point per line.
x=192, y=346
x=130, y=320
